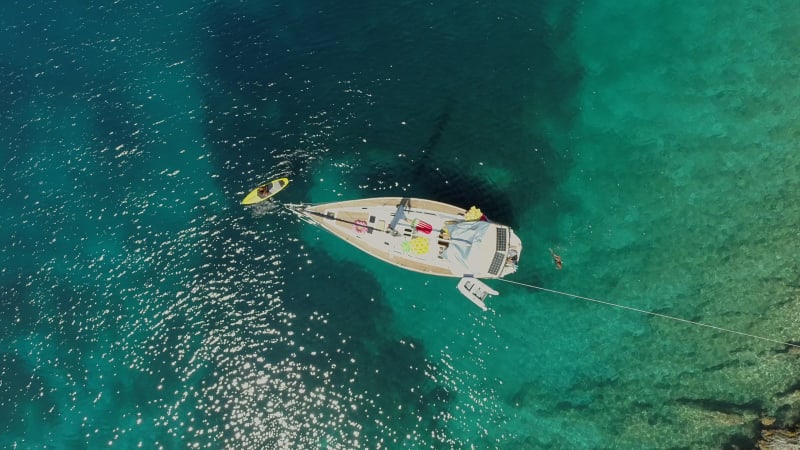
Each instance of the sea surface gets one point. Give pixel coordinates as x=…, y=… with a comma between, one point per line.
x=653, y=144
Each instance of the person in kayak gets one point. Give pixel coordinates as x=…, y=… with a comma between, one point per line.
x=263, y=191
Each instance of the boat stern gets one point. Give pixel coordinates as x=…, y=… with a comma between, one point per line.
x=512, y=254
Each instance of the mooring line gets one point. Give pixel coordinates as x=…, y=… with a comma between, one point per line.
x=665, y=316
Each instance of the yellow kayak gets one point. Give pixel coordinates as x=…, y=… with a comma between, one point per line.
x=265, y=191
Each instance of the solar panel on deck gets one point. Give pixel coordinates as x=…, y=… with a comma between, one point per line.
x=497, y=263
x=502, y=239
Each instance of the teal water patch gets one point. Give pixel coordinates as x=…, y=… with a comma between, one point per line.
x=143, y=306
x=677, y=203
x=100, y=230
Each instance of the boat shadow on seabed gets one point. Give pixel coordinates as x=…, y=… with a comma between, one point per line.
x=437, y=177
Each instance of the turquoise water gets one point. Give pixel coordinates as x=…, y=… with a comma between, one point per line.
x=652, y=144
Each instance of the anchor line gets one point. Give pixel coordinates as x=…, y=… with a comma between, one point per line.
x=652, y=313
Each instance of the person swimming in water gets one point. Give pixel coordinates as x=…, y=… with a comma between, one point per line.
x=556, y=259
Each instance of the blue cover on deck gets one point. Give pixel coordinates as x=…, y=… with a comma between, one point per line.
x=464, y=238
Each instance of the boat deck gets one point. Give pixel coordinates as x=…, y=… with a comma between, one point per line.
x=413, y=234
x=416, y=241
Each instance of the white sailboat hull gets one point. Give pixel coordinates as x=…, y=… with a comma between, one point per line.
x=421, y=235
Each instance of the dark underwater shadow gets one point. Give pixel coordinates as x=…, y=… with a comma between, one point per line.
x=280, y=83
x=424, y=174
x=444, y=79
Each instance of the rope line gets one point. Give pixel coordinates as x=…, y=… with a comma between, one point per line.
x=664, y=316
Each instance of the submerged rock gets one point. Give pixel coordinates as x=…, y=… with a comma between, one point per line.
x=779, y=439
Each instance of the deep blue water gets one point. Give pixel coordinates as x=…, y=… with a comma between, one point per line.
x=142, y=306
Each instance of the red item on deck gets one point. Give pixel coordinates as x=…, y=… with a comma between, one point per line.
x=424, y=227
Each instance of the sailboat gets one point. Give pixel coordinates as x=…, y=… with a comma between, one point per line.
x=425, y=236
